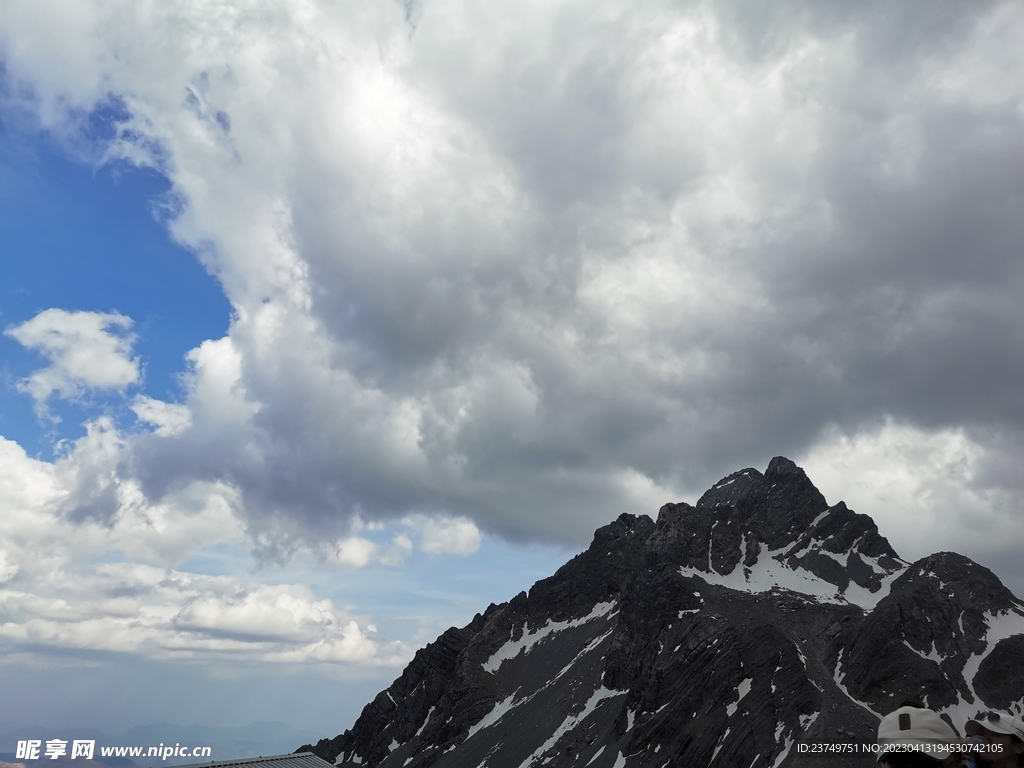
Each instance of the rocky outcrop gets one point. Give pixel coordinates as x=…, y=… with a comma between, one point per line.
x=720, y=635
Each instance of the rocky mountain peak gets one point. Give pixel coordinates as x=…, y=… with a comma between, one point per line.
x=731, y=491
x=778, y=505
x=959, y=578
x=721, y=635
x=753, y=531
x=599, y=573
x=624, y=527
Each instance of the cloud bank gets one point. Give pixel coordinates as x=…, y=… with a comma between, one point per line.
x=111, y=585
x=519, y=270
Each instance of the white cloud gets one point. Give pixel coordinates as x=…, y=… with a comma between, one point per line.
x=86, y=350
x=265, y=612
x=353, y=552
x=168, y=418
x=921, y=487
x=174, y=615
x=59, y=593
x=8, y=569
x=352, y=645
x=89, y=471
x=398, y=551
x=76, y=582
x=457, y=536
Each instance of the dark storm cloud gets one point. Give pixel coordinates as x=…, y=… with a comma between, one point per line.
x=890, y=283
x=887, y=286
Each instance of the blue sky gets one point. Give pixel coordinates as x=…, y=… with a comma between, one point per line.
x=80, y=237
x=327, y=324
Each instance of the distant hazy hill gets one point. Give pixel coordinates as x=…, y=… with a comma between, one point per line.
x=721, y=635
x=258, y=738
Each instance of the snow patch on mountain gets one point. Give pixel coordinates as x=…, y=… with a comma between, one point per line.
x=932, y=654
x=586, y=649
x=784, y=753
x=721, y=743
x=499, y=710
x=513, y=648
x=1001, y=625
x=571, y=722
x=742, y=690
x=838, y=675
x=425, y=721
x=768, y=573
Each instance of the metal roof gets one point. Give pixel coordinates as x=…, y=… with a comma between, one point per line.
x=299, y=760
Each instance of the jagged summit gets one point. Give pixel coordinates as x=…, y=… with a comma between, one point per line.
x=720, y=635
x=757, y=532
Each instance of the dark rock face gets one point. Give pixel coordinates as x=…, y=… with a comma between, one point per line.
x=721, y=635
x=1001, y=674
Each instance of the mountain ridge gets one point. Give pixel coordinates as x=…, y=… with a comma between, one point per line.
x=720, y=634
